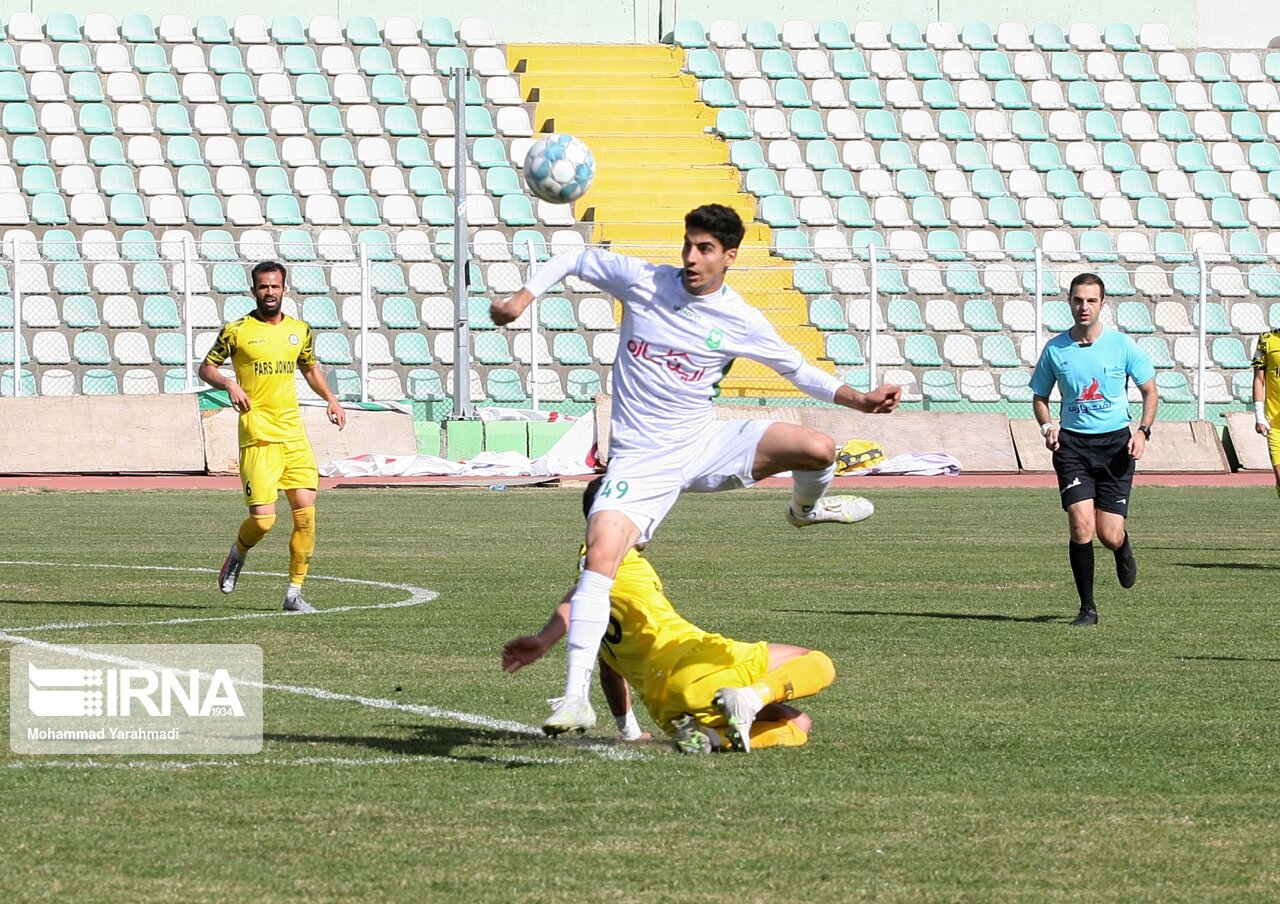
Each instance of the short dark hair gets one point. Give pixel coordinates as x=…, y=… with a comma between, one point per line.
x=1087, y=279
x=268, y=267
x=719, y=221
x=589, y=495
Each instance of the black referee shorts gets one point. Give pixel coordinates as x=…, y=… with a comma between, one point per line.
x=1095, y=466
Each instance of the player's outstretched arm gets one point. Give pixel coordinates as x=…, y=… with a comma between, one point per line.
x=522, y=651
x=881, y=400
x=618, y=693
x=506, y=310
x=315, y=379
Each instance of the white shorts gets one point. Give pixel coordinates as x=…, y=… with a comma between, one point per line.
x=645, y=487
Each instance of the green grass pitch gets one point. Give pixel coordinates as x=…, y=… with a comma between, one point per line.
x=974, y=747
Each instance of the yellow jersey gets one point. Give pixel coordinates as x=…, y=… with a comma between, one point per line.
x=265, y=357
x=1267, y=359
x=646, y=638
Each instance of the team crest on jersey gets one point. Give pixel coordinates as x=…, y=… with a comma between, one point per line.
x=293, y=338
x=715, y=338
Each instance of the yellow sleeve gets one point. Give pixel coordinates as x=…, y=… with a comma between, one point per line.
x=307, y=356
x=225, y=345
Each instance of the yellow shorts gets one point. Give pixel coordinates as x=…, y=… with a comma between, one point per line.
x=1273, y=446
x=714, y=663
x=268, y=468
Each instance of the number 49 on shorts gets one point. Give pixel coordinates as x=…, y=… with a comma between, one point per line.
x=611, y=488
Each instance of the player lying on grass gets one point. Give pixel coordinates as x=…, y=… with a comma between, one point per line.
x=702, y=689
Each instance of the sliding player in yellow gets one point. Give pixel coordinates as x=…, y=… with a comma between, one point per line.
x=1266, y=395
x=265, y=348
x=704, y=690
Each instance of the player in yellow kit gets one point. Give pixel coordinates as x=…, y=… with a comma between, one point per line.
x=703, y=689
x=1266, y=395
x=265, y=347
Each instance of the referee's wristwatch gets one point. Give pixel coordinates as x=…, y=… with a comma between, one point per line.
x=1145, y=430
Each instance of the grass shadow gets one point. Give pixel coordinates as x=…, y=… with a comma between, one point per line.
x=428, y=740
x=950, y=616
x=102, y=605
x=1231, y=566
x=1230, y=658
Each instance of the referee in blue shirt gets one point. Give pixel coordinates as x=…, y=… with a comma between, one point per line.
x=1094, y=453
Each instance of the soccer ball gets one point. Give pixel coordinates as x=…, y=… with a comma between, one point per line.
x=559, y=169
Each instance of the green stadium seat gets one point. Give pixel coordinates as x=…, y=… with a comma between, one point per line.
x=954, y=125
x=38, y=180
x=1120, y=38
x=922, y=65
x=778, y=212
x=137, y=28
x=13, y=88
x=1228, y=214
x=689, y=34
x=892, y=281
x=269, y=181
x=998, y=351
x=938, y=95
x=1157, y=349
x=792, y=245
x=362, y=31
x=160, y=312
x=906, y=36
x=843, y=349
x=1134, y=317
x=837, y=183
x=848, y=64
x=1173, y=125
x=29, y=150
x=288, y=30
x=1229, y=98
x=412, y=349
x=49, y=210
x=980, y=316
x=717, y=92
x=704, y=64
x=1216, y=322
x=1066, y=67
x=1100, y=125
x=1056, y=315
x=502, y=385
x=827, y=314
x=1247, y=126
x=62, y=27
x=791, y=92
x=903, y=315
x=70, y=279
x=865, y=94
x=490, y=348
x=993, y=65
x=971, y=156
x=834, y=35
x=1210, y=67
x=319, y=311
x=99, y=381
x=1156, y=97
x=88, y=348
x=300, y=60
x=570, y=350
x=855, y=213
x=822, y=155
x=19, y=119
x=437, y=31
x=1015, y=386
x=810, y=279
x=1173, y=387
x=881, y=125
x=332, y=348
x=1044, y=157
x=1265, y=283
x=919, y=351
x=1011, y=95
x=939, y=386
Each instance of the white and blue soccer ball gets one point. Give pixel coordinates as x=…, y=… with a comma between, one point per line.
x=559, y=169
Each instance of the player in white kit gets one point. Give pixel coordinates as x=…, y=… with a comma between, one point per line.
x=681, y=330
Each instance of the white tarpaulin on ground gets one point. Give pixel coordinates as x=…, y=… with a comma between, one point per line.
x=913, y=464
x=572, y=454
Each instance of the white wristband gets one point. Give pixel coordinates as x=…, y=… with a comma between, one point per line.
x=1045, y=428
x=1260, y=413
x=628, y=727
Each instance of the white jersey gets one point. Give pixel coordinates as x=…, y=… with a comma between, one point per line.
x=674, y=349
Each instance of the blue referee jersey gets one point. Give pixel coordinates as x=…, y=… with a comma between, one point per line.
x=1093, y=379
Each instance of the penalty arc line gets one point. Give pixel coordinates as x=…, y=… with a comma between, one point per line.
x=418, y=595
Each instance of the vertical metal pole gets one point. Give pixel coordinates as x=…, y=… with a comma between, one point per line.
x=366, y=299
x=17, y=318
x=188, y=363
x=533, y=330
x=1039, y=265
x=461, y=264
x=873, y=303
x=1201, y=350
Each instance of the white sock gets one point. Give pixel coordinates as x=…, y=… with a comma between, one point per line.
x=807, y=487
x=293, y=590
x=588, y=618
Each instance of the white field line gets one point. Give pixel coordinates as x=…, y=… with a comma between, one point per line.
x=418, y=595
x=273, y=762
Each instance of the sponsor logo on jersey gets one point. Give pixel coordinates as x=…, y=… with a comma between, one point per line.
x=293, y=338
x=676, y=362
x=715, y=338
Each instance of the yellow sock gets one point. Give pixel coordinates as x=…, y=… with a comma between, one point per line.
x=302, y=543
x=776, y=734
x=252, y=531
x=803, y=676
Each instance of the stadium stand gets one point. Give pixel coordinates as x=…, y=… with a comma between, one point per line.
x=145, y=166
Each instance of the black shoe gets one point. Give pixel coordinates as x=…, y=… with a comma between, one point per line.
x=1086, y=618
x=1127, y=569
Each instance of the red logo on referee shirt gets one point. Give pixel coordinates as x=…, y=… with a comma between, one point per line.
x=1091, y=394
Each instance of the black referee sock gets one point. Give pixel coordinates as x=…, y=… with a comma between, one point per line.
x=1082, y=570
x=1125, y=549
